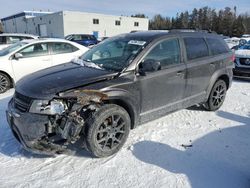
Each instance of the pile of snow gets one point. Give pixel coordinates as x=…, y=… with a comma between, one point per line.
x=189, y=148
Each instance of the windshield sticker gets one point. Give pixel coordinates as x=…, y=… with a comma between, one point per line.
x=137, y=42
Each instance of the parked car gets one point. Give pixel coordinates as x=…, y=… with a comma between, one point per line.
x=232, y=42
x=242, y=62
x=6, y=39
x=122, y=82
x=85, y=40
x=29, y=56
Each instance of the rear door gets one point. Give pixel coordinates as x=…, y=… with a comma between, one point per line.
x=200, y=67
x=63, y=52
x=163, y=89
x=35, y=57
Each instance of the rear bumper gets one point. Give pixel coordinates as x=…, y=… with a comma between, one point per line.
x=30, y=130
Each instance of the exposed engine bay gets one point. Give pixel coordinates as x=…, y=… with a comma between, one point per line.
x=63, y=118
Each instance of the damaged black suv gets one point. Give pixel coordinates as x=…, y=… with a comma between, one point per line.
x=122, y=82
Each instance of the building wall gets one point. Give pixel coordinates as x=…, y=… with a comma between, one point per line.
x=80, y=22
x=17, y=23
x=63, y=23
x=53, y=22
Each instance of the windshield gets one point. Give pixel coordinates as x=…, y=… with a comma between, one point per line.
x=12, y=48
x=114, y=54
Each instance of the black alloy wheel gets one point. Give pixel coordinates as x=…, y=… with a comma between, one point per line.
x=4, y=83
x=217, y=96
x=107, y=130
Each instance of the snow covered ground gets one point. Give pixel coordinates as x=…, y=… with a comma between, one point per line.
x=189, y=148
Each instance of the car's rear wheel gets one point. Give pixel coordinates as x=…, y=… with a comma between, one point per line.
x=4, y=83
x=217, y=96
x=107, y=130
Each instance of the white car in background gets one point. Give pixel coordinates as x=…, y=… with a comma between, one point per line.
x=28, y=56
x=242, y=62
x=232, y=42
x=7, y=39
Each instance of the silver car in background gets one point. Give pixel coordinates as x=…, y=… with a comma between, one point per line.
x=6, y=39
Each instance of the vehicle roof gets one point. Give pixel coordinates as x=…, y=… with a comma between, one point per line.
x=33, y=41
x=80, y=34
x=18, y=34
x=46, y=40
x=152, y=35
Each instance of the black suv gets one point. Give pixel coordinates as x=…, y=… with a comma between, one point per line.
x=122, y=82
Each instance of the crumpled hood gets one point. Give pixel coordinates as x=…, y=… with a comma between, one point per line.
x=242, y=53
x=46, y=83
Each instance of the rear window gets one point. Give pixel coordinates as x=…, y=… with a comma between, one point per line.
x=196, y=48
x=216, y=46
x=61, y=48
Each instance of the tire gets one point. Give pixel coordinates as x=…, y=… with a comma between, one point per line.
x=217, y=96
x=4, y=83
x=107, y=130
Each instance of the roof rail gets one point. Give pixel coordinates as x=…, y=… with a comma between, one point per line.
x=190, y=30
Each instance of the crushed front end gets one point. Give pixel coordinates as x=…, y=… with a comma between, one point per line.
x=50, y=126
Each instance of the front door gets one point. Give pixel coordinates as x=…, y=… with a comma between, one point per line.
x=164, y=89
x=34, y=58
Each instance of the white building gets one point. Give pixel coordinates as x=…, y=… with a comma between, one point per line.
x=63, y=23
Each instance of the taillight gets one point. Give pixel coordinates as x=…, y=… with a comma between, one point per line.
x=233, y=58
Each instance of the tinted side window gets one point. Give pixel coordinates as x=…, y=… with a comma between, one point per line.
x=166, y=52
x=196, y=48
x=216, y=46
x=77, y=37
x=35, y=50
x=85, y=37
x=61, y=48
x=2, y=40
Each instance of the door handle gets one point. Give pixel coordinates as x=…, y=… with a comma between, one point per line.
x=46, y=59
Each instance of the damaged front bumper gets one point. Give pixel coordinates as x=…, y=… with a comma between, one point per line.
x=31, y=131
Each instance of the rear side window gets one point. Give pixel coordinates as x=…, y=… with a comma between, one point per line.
x=216, y=46
x=2, y=40
x=196, y=48
x=13, y=39
x=61, y=48
x=76, y=37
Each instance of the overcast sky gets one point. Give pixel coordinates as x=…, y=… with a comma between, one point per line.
x=119, y=7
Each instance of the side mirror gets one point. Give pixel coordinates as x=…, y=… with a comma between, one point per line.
x=149, y=65
x=18, y=56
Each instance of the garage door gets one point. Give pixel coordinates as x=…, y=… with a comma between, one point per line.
x=43, y=30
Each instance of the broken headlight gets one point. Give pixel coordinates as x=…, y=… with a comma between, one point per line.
x=52, y=107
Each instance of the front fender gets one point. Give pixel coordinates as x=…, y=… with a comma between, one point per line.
x=126, y=100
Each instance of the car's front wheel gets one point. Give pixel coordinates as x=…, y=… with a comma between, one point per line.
x=217, y=96
x=107, y=130
x=4, y=83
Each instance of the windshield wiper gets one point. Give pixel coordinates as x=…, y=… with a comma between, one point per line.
x=87, y=63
